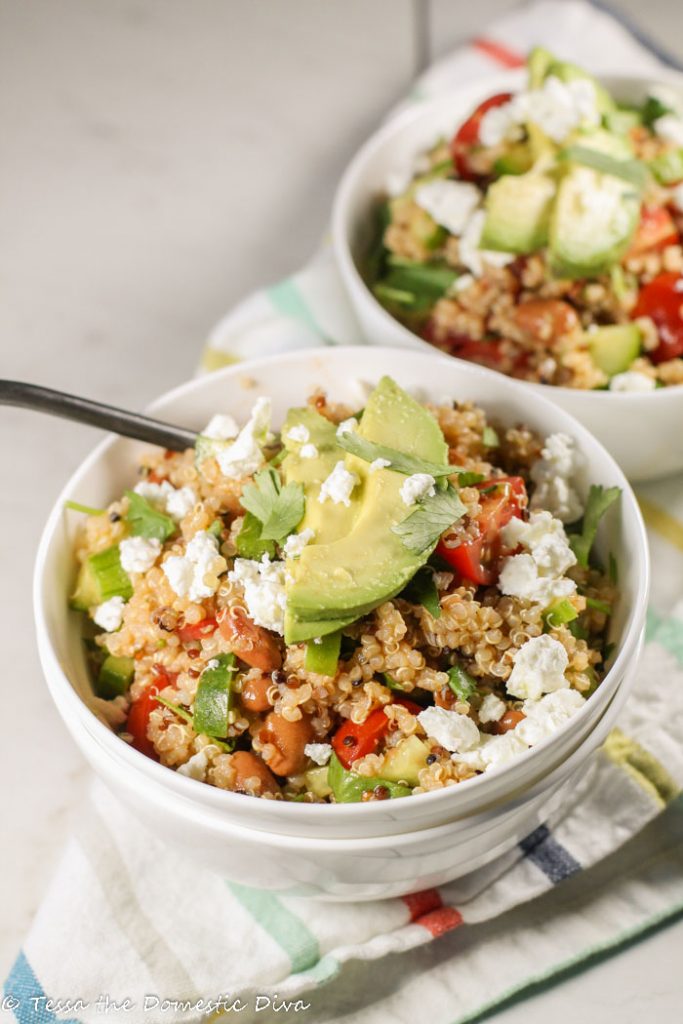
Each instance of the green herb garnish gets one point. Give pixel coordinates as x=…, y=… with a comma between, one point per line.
x=490, y=438
x=146, y=521
x=599, y=606
x=434, y=514
x=422, y=590
x=176, y=709
x=279, y=509
x=559, y=614
x=213, y=699
x=633, y=171
x=401, y=462
x=470, y=479
x=87, y=510
x=461, y=683
x=652, y=110
x=249, y=543
x=599, y=500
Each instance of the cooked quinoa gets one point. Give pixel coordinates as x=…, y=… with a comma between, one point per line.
x=496, y=640
x=477, y=249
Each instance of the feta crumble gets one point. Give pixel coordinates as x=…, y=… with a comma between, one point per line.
x=338, y=486
x=181, y=502
x=244, y=456
x=138, y=554
x=296, y=542
x=264, y=590
x=299, y=433
x=416, y=487
x=198, y=764
x=632, y=380
x=670, y=129
x=349, y=426
x=221, y=428
x=109, y=614
x=537, y=575
x=318, y=752
x=554, y=475
x=545, y=716
x=308, y=451
x=492, y=709
x=449, y=203
x=379, y=464
x=557, y=108
x=175, y=502
x=450, y=729
x=195, y=574
x=538, y=668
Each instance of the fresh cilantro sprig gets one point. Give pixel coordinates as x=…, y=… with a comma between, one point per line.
x=599, y=500
x=422, y=590
x=422, y=528
x=461, y=683
x=146, y=521
x=278, y=509
x=401, y=462
x=249, y=542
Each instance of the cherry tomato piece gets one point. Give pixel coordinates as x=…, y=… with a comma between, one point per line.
x=656, y=229
x=142, y=708
x=197, y=631
x=662, y=301
x=352, y=741
x=467, y=136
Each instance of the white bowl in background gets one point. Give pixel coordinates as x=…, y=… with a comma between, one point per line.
x=641, y=430
x=225, y=825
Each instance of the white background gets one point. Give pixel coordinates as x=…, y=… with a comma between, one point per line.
x=158, y=159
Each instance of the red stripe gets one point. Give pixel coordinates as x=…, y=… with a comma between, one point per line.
x=421, y=903
x=440, y=921
x=496, y=51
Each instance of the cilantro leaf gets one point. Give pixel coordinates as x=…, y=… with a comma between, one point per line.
x=599, y=500
x=422, y=590
x=146, y=521
x=279, y=509
x=653, y=109
x=422, y=528
x=250, y=543
x=401, y=462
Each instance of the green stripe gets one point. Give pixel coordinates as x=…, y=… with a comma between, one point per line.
x=668, y=632
x=288, y=300
x=642, y=766
x=284, y=927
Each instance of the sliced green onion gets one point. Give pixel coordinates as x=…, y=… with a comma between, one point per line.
x=461, y=683
x=559, y=614
x=599, y=606
x=177, y=710
x=87, y=510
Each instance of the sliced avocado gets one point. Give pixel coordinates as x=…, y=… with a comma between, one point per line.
x=668, y=167
x=518, y=213
x=568, y=72
x=316, y=781
x=619, y=147
x=538, y=62
x=115, y=676
x=613, y=349
x=404, y=761
x=593, y=219
x=350, y=576
x=421, y=225
x=517, y=159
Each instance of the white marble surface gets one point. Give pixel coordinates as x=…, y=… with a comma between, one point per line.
x=159, y=159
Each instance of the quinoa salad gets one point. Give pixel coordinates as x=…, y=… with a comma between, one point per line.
x=543, y=239
x=369, y=604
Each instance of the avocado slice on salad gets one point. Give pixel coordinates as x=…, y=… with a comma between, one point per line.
x=333, y=583
x=568, y=72
x=518, y=211
x=613, y=348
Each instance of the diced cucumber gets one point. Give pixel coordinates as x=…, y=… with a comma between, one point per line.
x=213, y=699
x=518, y=213
x=614, y=348
x=622, y=120
x=404, y=761
x=323, y=657
x=115, y=676
x=99, y=578
x=538, y=62
x=316, y=781
x=348, y=787
x=668, y=167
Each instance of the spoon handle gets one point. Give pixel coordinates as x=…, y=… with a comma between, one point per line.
x=95, y=414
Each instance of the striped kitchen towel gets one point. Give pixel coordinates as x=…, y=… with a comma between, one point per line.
x=151, y=938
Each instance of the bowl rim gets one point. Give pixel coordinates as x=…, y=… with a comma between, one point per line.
x=395, y=127
x=361, y=812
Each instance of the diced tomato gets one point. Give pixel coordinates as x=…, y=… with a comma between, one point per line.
x=477, y=559
x=352, y=741
x=197, y=631
x=467, y=136
x=142, y=708
x=656, y=229
x=662, y=301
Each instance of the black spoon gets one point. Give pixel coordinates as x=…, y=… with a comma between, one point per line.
x=96, y=414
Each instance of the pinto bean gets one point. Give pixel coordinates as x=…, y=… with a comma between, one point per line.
x=510, y=720
x=289, y=740
x=445, y=698
x=249, y=766
x=252, y=643
x=254, y=694
x=543, y=320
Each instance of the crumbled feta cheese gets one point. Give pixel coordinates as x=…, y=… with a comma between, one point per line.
x=138, y=554
x=545, y=716
x=296, y=542
x=493, y=752
x=244, y=456
x=537, y=575
x=460, y=284
x=450, y=729
x=379, y=464
x=470, y=255
x=501, y=124
x=264, y=590
x=195, y=574
x=416, y=487
x=538, y=668
x=197, y=765
x=299, y=432
x=308, y=451
x=318, y=752
x=554, y=474
x=670, y=129
x=109, y=614
x=221, y=428
x=156, y=494
x=349, y=426
x=175, y=502
x=492, y=708
x=449, y=203
x=632, y=380
x=181, y=502
x=338, y=486
x=610, y=215
x=557, y=108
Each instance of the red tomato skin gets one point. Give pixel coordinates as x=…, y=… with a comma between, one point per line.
x=368, y=734
x=662, y=301
x=467, y=136
x=142, y=708
x=197, y=631
x=656, y=230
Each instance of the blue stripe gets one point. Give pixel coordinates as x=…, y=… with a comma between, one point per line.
x=638, y=33
x=25, y=997
x=548, y=855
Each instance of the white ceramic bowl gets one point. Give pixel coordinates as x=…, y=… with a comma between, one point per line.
x=229, y=827
x=642, y=431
